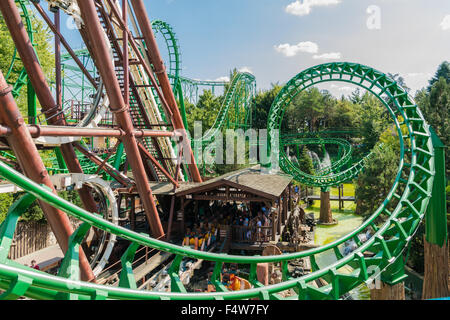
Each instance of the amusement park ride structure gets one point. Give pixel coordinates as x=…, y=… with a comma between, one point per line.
x=128, y=81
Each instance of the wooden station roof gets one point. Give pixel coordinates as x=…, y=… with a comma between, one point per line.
x=251, y=180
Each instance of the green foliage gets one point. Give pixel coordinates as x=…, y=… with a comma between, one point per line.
x=224, y=168
x=43, y=47
x=435, y=107
x=261, y=105
x=371, y=119
x=342, y=115
x=416, y=253
x=305, y=162
x=309, y=111
x=34, y=212
x=6, y=200
x=205, y=111
x=443, y=71
x=375, y=182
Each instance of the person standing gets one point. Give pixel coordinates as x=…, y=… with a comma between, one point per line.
x=34, y=265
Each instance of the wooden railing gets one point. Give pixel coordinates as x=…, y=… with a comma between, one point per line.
x=29, y=237
x=243, y=234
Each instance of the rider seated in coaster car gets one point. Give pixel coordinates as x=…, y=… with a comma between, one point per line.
x=189, y=237
x=198, y=238
x=235, y=283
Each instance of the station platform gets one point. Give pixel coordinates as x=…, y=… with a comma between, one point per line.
x=46, y=259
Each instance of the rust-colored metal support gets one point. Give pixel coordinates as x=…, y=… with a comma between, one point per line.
x=125, y=55
x=172, y=201
x=160, y=71
x=66, y=45
x=113, y=172
x=158, y=165
x=32, y=165
x=53, y=114
x=58, y=69
x=106, y=69
x=37, y=131
x=36, y=76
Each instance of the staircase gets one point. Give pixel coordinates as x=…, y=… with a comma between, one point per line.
x=140, y=106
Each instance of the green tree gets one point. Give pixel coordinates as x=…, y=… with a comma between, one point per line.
x=435, y=107
x=342, y=115
x=442, y=71
x=261, y=105
x=6, y=200
x=305, y=111
x=205, y=111
x=43, y=47
x=305, y=162
x=371, y=120
x=375, y=182
x=400, y=80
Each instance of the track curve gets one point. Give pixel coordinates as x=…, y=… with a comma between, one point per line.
x=23, y=77
x=401, y=213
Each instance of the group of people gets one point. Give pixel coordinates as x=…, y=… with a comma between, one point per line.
x=201, y=236
x=250, y=223
x=252, y=228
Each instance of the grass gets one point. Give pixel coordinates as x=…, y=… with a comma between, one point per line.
x=349, y=207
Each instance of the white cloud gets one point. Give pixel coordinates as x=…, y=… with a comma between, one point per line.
x=328, y=56
x=418, y=75
x=445, y=24
x=346, y=89
x=223, y=79
x=246, y=69
x=300, y=8
x=292, y=50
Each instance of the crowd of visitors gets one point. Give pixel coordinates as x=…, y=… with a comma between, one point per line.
x=248, y=223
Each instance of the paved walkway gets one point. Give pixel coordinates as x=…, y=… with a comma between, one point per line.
x=45, y=258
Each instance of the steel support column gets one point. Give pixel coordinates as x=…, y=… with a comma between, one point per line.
x=31, y=163
x=37, y=78
x=160, y=71
x=106, y=69
x=30, y=61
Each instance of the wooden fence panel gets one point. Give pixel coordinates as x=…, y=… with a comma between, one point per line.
x=28, y=238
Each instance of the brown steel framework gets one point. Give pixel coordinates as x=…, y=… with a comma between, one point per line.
x=144, y=136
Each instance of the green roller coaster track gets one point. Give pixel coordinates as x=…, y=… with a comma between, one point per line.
x=393, y=223
x=22, y=79
x=345, y=151
x=240, y=89
x=240, y=92
x=373, y=81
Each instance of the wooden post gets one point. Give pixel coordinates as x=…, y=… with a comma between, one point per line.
x=388, y=292
x=290, y=197
x=279, y=219
x=340, y=200
x=274, y=224
x=196, y=209
x=326, y=216
x=436, y=274
x=133, y=213
x=182, y=215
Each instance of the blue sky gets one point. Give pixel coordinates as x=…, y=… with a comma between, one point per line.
x=409, y=37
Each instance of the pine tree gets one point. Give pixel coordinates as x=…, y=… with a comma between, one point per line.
x=442, y=71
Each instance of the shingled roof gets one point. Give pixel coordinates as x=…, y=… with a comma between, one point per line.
x=252, y=180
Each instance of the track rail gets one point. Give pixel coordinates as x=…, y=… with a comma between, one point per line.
x=344, y=145
x=22, y=79
x=394, y=222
